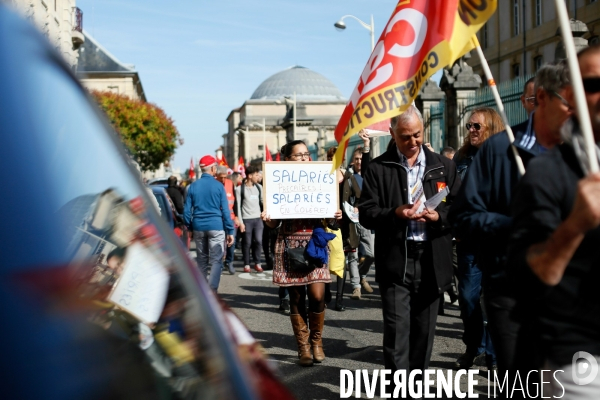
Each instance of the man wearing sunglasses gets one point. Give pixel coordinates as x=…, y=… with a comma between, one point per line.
x=528, y=96
x=554, y=249
x=481, y=212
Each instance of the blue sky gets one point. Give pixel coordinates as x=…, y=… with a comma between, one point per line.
x=198, y=60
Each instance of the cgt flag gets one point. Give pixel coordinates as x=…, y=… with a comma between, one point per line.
x=192, y=171
x=421, y=37
x=268, y=156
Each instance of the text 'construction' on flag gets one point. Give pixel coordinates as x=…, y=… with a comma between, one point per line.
x=421, y=37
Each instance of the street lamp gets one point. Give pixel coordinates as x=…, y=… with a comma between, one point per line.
x=293, y=103
x=340, y=25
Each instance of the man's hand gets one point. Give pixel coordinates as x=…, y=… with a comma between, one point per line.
x=365, y=137
x=430, y=215
x=586, y=210
x=242, y=228
x=409, y=212
x=230, y=240
x=338, y=214
x=428, y=145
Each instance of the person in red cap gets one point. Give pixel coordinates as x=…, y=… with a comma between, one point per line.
x=206, y=212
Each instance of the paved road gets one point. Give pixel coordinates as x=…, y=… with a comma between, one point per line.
x=352, y=339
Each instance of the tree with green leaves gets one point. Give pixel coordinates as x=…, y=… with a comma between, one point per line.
x=146, y=131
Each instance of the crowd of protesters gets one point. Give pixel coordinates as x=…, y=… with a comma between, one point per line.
x=517, y=251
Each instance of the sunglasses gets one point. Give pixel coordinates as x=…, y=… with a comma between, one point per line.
x=562, y=99
x=591, y=85
x=475, y=125
x=530, y=99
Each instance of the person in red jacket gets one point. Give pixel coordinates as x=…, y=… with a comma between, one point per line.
x=231, y=202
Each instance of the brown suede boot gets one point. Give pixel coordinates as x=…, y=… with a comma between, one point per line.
x=301, y=332
x=316, y=322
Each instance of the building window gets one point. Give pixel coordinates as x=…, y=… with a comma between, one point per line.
x=538, y=12
x=515, y=17
x=537, y=62
x=260, y=146
x=516, y=70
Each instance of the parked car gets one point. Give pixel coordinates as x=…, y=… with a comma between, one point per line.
x=101, y=302
x=170, y=214
x=164, y=182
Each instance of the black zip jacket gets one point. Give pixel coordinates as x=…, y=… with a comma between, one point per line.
x=385, y=188
x=566, y=316
x=481, y=211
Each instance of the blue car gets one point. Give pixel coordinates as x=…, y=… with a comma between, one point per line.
x=99, y=300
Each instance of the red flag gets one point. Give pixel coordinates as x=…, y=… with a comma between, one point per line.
x=277, y=158
x=421, y=37
x=192, y=172
x=240, y=167
x=268, y=156
x=221, y=161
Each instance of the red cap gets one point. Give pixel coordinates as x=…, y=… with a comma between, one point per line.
x=207, y=161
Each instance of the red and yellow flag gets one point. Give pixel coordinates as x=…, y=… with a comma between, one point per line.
x=421, y=37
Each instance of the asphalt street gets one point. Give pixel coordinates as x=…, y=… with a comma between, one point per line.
x=352, y=339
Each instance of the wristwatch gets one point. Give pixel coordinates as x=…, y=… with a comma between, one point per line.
x=366, y=149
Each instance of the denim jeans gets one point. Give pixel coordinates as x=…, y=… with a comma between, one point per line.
x=252, y=240
x=210, y=246
x=360, y=271
x=475, y=336
x=230, y=251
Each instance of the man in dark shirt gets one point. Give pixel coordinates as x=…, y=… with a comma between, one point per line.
x=175, y=194
x=481, y=211
x=554, y=254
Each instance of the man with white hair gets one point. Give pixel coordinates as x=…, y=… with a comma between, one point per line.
x=413, y=247
x=206, y=212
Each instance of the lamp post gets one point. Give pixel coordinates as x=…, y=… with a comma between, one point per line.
x=340, y=25
x=246, y=134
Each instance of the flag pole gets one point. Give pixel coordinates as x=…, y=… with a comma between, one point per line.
x=575, y=75
x=494, y=88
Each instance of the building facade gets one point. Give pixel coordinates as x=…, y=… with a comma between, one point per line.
x=59, y=20
x=296, y=103
x=523, y=35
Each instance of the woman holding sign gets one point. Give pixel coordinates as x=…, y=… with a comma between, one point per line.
x=296, y=234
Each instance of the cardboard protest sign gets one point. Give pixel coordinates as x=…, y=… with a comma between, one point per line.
x=299, y=190
x=142, y=287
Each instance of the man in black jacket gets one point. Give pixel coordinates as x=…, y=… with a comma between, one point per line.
x=175, y=194
x=413, y=248
x=481, y=212
x=554, y=251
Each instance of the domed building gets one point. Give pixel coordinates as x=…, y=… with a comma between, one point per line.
x=313, y=118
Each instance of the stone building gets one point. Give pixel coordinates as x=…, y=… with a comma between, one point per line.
x=316, y=111
x=59, y=20
x=100, y=70
x=522, y=35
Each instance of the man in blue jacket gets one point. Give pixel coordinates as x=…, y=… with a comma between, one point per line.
x=206, y=212
x=481, y=211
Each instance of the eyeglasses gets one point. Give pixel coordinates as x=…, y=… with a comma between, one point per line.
x=530, y=99
x=301, y=155
x=591, y=85
x=475, y=125
x=562, y=99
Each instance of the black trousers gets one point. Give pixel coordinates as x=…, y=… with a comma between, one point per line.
x=410, y=313
x=503, y=325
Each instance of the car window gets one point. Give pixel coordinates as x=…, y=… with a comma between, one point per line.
x=162, y=204
x=95, y=288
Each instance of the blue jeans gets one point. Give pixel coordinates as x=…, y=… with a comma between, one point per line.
x=210, y=246
x=229, y=253
x=476, y=336
x=360, y=271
